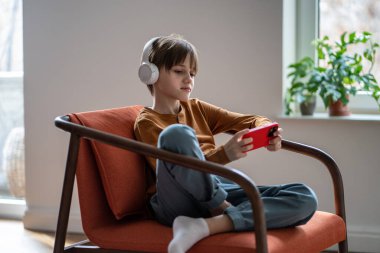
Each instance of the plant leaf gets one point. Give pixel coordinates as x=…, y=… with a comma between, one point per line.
x=342, y=38
x=352, y=37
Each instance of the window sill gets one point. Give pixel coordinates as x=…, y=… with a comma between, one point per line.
x=325, y=116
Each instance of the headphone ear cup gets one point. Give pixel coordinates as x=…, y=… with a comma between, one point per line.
x=148, y=73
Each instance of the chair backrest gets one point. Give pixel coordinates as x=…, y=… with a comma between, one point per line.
x=106, y=174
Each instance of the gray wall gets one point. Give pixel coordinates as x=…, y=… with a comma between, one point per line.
x=83, y=55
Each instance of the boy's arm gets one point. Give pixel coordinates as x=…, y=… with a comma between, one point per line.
x=224, y=121
x=217, y=155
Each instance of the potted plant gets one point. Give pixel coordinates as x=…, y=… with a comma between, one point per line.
x=341, y=73
x=304, y=85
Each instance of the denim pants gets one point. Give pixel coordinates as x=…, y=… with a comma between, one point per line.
x=183, y=191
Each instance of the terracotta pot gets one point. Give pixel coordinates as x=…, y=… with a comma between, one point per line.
x=338, y=109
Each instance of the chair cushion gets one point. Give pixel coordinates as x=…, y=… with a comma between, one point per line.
x=321, y=232
x=122, y=172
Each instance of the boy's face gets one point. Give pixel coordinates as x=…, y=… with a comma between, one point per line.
x=176, y=83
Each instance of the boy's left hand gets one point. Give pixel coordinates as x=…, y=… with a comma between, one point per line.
x=275, y=143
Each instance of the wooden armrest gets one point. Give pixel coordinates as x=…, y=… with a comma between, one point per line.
x=330, y=164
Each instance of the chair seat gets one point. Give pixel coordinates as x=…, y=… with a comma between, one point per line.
x=324, y=228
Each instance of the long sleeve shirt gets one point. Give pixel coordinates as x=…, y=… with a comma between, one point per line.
x=207, y=120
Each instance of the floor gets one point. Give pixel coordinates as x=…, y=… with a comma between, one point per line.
x=15, y=239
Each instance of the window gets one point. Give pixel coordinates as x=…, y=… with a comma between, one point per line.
x=12, y=174
x=304, y=21
x=338, y=16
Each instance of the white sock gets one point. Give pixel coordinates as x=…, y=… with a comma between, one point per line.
x=186, y=232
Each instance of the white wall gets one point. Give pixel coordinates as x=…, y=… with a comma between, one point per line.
x=83, y=55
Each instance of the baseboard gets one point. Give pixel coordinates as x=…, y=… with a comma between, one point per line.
x=364, y=239
x=12, y=209
x=46, y=220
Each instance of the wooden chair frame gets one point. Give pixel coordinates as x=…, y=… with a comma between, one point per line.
x=78, y=131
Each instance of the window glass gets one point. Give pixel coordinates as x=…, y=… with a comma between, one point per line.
x=12, y=173
x=338, y=16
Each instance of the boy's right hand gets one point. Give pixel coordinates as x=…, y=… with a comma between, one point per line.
x=237, y=147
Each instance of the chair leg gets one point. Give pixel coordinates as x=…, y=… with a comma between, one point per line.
x=343, y=247
x=67, y=192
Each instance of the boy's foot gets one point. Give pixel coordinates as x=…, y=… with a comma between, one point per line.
x=186, y=232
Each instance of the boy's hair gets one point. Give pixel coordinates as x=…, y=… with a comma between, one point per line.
x=168, y=51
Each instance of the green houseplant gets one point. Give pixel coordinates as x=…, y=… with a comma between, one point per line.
x=339, y=74
x=304, y=85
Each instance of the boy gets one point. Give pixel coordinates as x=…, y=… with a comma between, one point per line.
x=198, y=204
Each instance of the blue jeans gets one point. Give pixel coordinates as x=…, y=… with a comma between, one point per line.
x=183, y=191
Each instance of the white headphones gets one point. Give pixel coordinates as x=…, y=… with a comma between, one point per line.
x=148, y=72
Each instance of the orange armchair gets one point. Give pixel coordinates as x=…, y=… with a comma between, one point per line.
x=112, y=180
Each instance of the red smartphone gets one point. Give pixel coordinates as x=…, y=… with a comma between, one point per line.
x=261, y=135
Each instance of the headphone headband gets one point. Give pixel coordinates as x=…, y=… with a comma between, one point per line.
x=147, y=50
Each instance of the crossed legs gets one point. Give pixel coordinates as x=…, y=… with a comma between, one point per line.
x=196, y=204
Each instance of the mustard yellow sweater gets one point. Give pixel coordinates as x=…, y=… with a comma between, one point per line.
x=207, y=120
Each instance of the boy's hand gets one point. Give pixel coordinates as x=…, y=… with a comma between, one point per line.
x=237, y=147
x=275, y=143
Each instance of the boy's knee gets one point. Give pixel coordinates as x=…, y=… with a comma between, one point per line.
x=178, y=138
x=309, y=200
